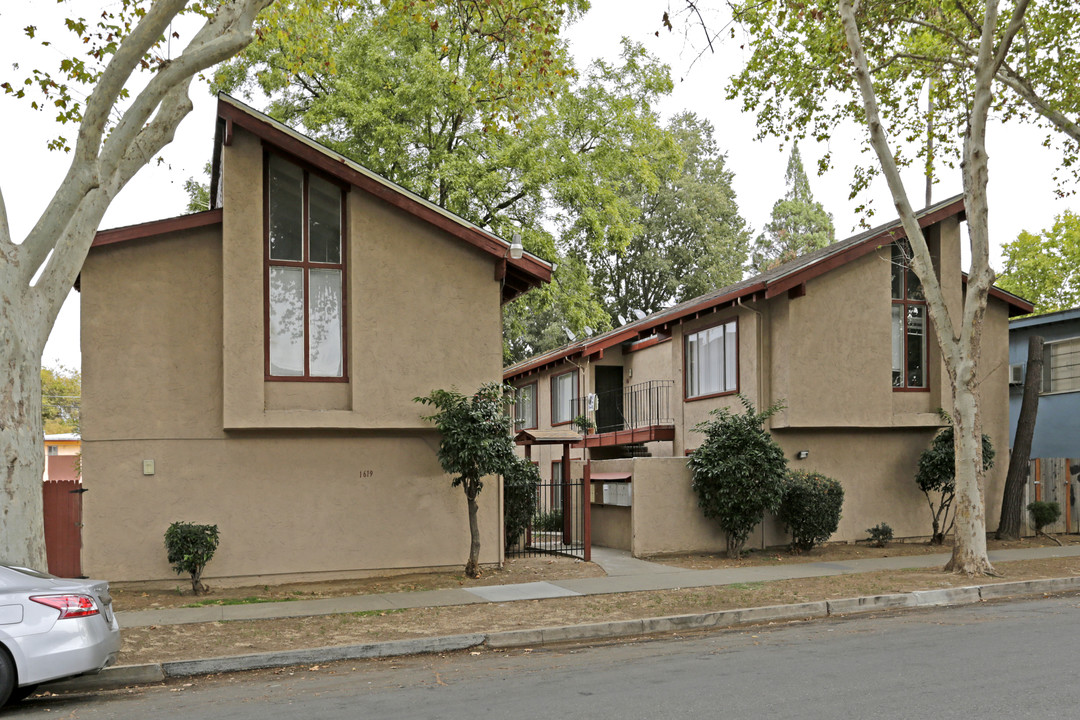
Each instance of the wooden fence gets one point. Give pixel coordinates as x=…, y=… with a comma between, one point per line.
x=1055, y=480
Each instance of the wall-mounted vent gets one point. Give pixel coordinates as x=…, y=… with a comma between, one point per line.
x=1016, y=374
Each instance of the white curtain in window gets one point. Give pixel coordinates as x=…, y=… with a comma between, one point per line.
x=712, y=360
x=286, y=320
x=324, y=323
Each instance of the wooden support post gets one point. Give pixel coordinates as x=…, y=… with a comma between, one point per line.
x=587, y=492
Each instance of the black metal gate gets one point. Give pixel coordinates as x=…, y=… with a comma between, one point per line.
x=559, y=520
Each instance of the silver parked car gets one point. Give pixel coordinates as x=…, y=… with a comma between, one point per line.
x=52, y=628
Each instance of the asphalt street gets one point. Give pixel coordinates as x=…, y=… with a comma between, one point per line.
x=991, y=660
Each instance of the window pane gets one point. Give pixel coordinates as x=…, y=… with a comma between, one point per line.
x=899, y=262
x=324, y=221
x=898, y=345
x=525, y=408
x=286, y=210
x=914, y=287
x=1065, y=366
x=731, y=363
x=324, y=323
x=563, y=391
x=916, y=346
x=286, y=321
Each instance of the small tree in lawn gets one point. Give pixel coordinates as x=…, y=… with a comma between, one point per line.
x=738, y=471
x=476, y=442
x=936, y=477
x=190, y=547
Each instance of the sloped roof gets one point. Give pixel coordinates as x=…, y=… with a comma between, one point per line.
x=769, y=284
x=518, y=275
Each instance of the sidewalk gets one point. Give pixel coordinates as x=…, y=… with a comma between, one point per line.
x=624, y=575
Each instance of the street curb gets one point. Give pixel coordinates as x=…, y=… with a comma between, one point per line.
x=125, y=675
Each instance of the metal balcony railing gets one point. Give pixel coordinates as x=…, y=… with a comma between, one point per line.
x=636, y=406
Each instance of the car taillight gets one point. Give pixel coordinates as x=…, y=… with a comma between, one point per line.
x=70, y=606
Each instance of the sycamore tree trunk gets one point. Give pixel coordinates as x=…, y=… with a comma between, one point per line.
x=1012, y=498
x=22, y=529
x=960, y=342
x=118, y=134
x=472, y=567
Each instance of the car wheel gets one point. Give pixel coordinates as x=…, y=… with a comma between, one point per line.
x=7, y=676
x=21, y=693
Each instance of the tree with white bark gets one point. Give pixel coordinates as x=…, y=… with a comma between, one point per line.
x=819, y=63
x=120, y=129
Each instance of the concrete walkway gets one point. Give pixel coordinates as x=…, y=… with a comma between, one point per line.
x=625, y=574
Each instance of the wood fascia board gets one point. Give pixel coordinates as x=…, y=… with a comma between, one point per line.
x=860, y=249
x=527, y=266
x=157, y=227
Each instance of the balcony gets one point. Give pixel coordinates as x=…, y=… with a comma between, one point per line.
x=627, y=416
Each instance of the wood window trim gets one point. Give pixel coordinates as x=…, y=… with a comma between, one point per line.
x=904, y=303
x=738, y=361
x=536, y=406
x=551, y=398
x=306, y=264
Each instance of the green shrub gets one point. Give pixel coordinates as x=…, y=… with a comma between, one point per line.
x=520, y=480
x=190, y=548
x=738, y=471
x=1043, y=513
x=810, y=508
x=549, y=521
x=880, y=534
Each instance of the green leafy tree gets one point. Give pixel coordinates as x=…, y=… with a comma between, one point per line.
x=1045, y=268
x=816, y=66
x=198, y=192
x=936, y=477
x=478, y=107
x=61, y=393
x=476, y=442
x=120, y=118
x=799, y=223
x=190, y=547
x=692, y=237
x=738, y=471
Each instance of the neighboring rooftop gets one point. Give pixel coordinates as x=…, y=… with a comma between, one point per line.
x=789, y=277
x=1046, y=318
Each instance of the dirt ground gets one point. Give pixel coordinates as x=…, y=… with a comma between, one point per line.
x=182, y=642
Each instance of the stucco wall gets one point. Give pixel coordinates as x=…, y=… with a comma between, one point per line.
x=324, y=478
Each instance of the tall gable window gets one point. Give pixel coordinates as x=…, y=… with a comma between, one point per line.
x=712, y=361
x=305, y=270
x=564, y=390
x=909, y=326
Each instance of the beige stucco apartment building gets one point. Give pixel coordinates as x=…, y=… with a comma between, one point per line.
x=254, y=367
x=840, y=337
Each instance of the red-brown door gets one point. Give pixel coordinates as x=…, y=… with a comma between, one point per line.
x=63, y=526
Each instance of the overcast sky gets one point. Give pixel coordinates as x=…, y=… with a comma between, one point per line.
x=1022, y=191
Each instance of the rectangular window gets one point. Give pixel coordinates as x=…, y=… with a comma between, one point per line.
x=525, y=407
x=712, y=361
x=564, y=390
x=909, y=323
x=305, y=296
x=1061, y=366
x=53, y=449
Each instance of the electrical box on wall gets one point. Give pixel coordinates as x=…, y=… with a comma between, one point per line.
x=147, y=467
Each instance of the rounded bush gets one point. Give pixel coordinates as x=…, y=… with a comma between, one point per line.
x=1043, y=513
x=810, y=508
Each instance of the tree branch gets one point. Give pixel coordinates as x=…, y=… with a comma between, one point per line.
x=81, y=176
x=5, y=228
x=921, y=263
x=1023, y=88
